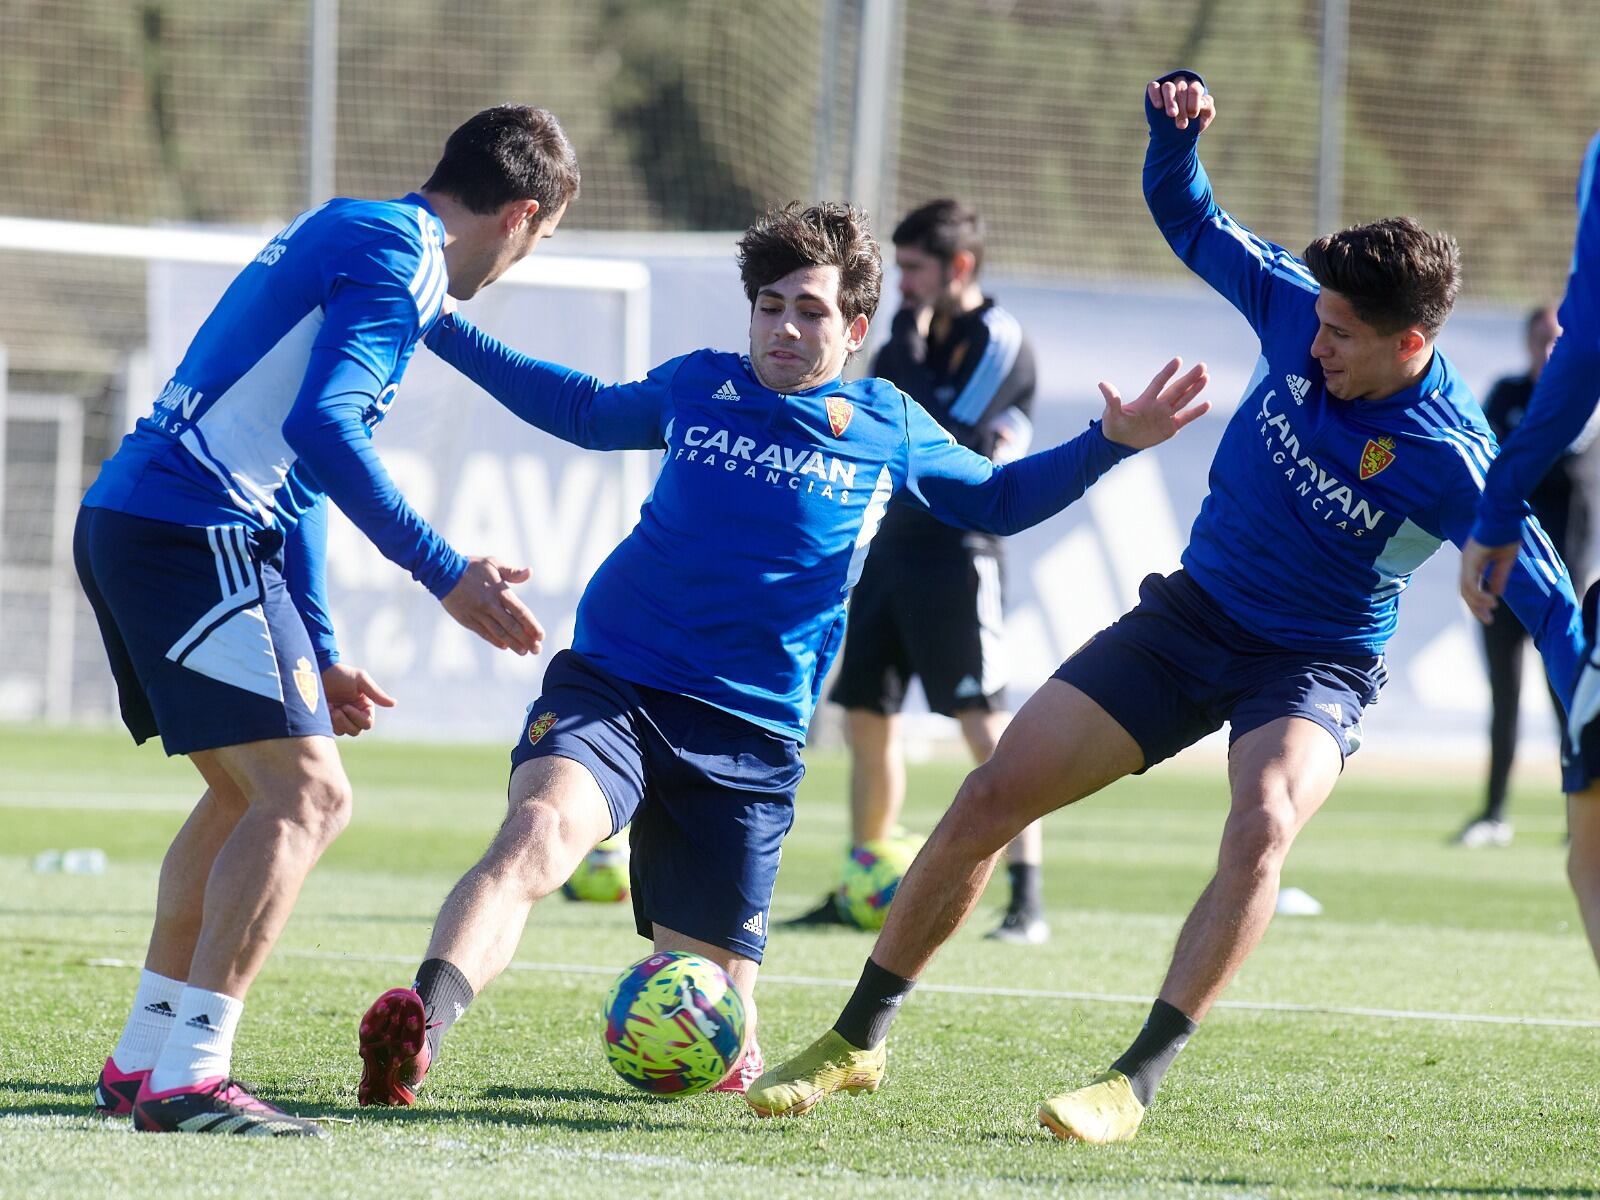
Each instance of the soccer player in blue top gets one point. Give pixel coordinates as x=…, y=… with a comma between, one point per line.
x=201, y=548
x=703, y=639
x=1354, y=453
x=1563, y=401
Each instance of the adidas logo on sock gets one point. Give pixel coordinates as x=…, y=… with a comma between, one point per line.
x=160, y=1009
x=755, y=925
x=203, y=1021
x=725, y=392
x=1299, y=385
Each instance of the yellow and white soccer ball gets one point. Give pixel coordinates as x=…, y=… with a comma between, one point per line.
x=602, y=876
x=872, y=875
x=674, y=1024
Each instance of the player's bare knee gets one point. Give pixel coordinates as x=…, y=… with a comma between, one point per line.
x=537, y=848
x=1256, y=839
x=980, y=820
x=326, y=804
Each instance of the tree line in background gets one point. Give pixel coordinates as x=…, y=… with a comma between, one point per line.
x=695, y=114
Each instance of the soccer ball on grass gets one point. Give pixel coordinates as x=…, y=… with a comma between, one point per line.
x=602, y=876
x=871, y=876
x=674, y=1024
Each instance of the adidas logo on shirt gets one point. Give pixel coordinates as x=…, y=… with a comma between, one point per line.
x=1299, y=385
x=756, y=926
x=725, y=392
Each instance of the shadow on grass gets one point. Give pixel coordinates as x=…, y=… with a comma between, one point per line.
x=1402, y=1189
x=518, y=1107
x=44, y=1098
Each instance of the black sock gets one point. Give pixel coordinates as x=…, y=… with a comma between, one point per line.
x=873, y=1005
x=445, y=994
x=1146, y=1061
x=1026, y=880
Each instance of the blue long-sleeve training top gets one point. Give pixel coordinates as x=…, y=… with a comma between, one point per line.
x=731, y=588
x=1320, y=509
x=1568, y=387
x=273, y=407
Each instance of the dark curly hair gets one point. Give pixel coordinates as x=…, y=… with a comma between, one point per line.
x=820, y=235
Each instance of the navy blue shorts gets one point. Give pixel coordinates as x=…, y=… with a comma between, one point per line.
x=938, y=617
x=205, y=645
x=1177, y=667
x=709, y=795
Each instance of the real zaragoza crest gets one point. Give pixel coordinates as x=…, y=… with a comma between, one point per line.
x=305, y=678
x=1378, y=455
x=540, y=726
x=839, y=413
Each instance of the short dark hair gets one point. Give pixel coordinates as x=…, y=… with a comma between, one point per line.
x=822, y=235
x=505, y=153
x=1394, y=273
x=943, y=228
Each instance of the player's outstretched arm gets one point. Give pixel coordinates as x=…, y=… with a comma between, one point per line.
x=963, y=488
x=563, y=402
x=1249, y=272
x=1561, y=404
x=326, y=429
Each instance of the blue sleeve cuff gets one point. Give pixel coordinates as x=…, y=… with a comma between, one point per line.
x=1493, y=529
x=1117, y=449
x=442, y=576
x=1164, y=127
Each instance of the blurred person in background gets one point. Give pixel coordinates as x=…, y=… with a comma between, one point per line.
x=929, y=603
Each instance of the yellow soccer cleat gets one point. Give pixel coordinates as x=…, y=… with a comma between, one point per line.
x=830, y=1064
x=1105, y=1111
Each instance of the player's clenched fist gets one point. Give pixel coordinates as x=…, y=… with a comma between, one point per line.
x=483, y=602
x=1184, y=100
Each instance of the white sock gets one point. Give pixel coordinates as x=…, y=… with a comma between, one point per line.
x=200, y=1045
x=155, y=1005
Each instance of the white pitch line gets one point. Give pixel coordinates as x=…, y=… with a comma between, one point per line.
x=958, y=989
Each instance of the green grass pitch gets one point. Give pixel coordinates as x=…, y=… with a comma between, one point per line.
x=1435, y=1033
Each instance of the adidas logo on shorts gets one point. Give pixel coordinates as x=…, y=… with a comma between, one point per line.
x=1336, y=711
x=756, y=926
x=725, y=392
